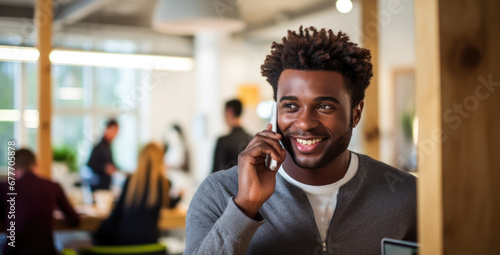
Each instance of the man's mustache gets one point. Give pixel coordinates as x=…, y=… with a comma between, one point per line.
x=320, y=134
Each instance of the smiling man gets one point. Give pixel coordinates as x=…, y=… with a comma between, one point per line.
x=324, y=199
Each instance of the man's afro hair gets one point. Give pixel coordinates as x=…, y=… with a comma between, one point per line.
x=311, y=49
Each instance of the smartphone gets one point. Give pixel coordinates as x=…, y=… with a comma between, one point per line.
x=272, y=164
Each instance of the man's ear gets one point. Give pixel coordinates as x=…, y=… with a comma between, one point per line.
x=35, y=169
x=356, y=113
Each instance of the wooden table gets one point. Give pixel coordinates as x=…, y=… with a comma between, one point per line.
x=169, y=219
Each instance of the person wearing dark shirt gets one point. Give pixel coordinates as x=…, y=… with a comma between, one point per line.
x=101, y=158
x=35, y=202
x=229, y=146
x=134, y=220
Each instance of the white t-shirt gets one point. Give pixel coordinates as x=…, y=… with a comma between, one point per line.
x=323, y=198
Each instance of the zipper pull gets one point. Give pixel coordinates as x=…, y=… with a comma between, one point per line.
x=324, y=248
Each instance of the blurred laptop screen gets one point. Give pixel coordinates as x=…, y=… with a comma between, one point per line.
x=398, y=247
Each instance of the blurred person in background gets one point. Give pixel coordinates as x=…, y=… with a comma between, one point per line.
x=134, y=219
x=176, y=153
x=35, y=202
x=229, y=146
x=101, y=159
x=176, y=159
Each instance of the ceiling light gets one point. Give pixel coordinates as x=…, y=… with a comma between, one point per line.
x=136, y=61
x=100, y=59
x=24, y=54
x=190, y=17
x=10, y=115
x=344, y=6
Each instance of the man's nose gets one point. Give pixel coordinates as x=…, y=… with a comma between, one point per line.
x=306, y=119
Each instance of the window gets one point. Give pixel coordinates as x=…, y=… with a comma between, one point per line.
x=67, y=86
x=93, y=96
x=7, y=85
x=84, y=98
x=113, y=86
x=7, y=97
x=30, y=69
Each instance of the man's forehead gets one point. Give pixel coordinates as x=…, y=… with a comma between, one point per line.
x=300, y=83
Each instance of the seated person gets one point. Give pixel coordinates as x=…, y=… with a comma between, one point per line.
x=134, y=220
x=35, y=201
x=324, y=199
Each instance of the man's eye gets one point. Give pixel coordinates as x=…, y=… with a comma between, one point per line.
x=290, y=106
x=324, y=107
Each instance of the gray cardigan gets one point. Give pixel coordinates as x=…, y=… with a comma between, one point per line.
x=379, y=201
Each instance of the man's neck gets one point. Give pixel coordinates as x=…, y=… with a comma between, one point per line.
x=234, y=123
x=327, y=174
x=20, y=173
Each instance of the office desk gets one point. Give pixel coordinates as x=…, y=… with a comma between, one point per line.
x=169, y=219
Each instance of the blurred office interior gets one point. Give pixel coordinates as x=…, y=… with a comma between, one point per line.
x=152, y=64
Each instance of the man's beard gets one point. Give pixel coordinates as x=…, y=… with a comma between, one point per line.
x=332, y=152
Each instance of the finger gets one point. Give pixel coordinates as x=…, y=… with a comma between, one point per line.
x=262, y=135
x=261, y=150
x=269, y=141
x=282, y=158
x=266, y=133
x=282, y=153
x=270, y=133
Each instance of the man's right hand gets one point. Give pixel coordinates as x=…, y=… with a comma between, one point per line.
x=110, y=169
x=256, y=182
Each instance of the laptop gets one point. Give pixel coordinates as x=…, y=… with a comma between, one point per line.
x=398, y=247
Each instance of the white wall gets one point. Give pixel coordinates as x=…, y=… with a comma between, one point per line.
x=396, y=51
x=172, y=102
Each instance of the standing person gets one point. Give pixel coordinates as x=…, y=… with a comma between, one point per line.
x=101, y=159
x=134, y=220
x=176, y=152
x=35, y=202
x=176, y=159
x=324, y=199
x=229, y=146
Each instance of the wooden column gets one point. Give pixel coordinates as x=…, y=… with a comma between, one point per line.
x=458, y=98
x=370, y=32
x=43, y=23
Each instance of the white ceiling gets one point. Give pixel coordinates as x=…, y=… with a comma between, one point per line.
x=255, y=13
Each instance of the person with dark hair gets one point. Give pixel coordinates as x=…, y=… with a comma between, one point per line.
x=35, y=200
x=324, y=199
x=176, y=152
x=229, y=146
x=101, y=159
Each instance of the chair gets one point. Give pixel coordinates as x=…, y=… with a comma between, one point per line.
x=143, y=249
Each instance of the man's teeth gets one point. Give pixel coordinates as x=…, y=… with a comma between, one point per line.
x=308, y=141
